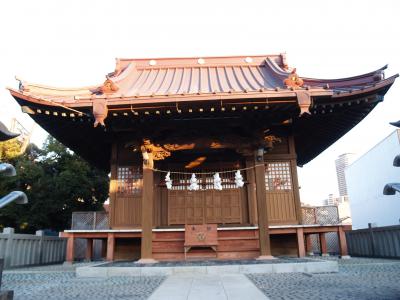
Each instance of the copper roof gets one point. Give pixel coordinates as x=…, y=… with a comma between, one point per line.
x=202, y=78
x=334, y=105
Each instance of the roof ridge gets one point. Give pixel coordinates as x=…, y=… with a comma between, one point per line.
x=197, y=57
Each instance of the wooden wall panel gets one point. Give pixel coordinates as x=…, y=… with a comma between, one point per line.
x=238, y=244
x=176, y=207
x=127, y=249
x=127, y=212
x=282, y=192
x=213, y=206
x=285, y=245
x=232, y=244
x=281, y=207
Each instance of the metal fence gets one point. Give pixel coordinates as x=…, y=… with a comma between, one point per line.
x=20, y=250
x=89, y=220
x=375, y=242
x=323, y=215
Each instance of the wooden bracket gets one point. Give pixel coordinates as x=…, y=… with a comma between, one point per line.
x=304, y=101
x=100, y=111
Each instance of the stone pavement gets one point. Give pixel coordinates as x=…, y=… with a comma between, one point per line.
x=358, y=278
x=59, y=282
x=207, y=287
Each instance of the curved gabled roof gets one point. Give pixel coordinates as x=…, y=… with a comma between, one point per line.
x=205, y=77
x=156, y=85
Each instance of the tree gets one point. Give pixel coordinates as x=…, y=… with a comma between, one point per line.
x=57, y=183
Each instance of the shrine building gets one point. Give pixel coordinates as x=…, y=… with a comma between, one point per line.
x=203, y=151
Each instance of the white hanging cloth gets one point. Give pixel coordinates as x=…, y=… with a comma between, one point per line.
x=239, y=179
x=168, y=181
x=194, y=186
x=217, y=182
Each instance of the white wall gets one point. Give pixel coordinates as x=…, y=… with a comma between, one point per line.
x=366, y=178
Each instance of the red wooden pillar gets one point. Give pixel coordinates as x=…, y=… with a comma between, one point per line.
x=261, y=194
x=70, y=248
x=89, y=249
x=322, y=243
x=342, y=243
x=309, y=246
x=300, y=242
x=110, y=246
x=146, y=255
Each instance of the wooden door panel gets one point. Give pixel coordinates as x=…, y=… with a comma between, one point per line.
x=207, y=206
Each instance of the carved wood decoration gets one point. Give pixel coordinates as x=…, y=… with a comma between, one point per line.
x=197, y=162
x=270, y=140
x=175, y=147
x=109, y=87
x=293, y=80
x=100, y=111
x=151, y=152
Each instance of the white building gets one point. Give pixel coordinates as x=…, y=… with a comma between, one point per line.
x=342, y=162
x=366, y=178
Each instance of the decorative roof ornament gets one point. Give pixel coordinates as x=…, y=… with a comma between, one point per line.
x=293, y=80
x=217, y=182
x=194, y=186
x=109, y=87
x=239, y=179
x=22, y=85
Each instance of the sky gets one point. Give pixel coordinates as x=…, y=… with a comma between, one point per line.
x=75, y=43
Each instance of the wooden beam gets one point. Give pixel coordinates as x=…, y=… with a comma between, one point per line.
x=322, y=243
x=70, y=248
x=110, y=246
x=261, y=194
x=89, y=249
x=300, y=242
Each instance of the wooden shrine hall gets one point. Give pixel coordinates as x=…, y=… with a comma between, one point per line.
x=203, y=151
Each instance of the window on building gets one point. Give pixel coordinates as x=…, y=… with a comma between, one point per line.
x=278, y=176
x=129, y=181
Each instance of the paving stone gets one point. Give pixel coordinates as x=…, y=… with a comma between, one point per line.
x=358, y=278
x=65, y=286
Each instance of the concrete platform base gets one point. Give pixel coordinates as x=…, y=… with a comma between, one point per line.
x=312, y=266
x=265, y=257
x=147, y=261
